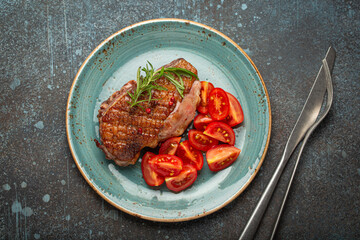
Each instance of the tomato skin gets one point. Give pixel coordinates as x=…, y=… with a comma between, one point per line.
x=201, y=121
x=170, y=146
x=221, y=131
x=206, y=88
x=150, y=177
x=221, y=156
x=166, y=165
x=200, y=141
x=218, y=104
x=236, y=115
x=182, y=181
x=190, y=155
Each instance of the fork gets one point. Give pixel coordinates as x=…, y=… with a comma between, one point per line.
x=329, y=90
x=305, y=122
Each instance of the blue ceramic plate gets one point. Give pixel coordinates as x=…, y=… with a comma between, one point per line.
x=114, y=62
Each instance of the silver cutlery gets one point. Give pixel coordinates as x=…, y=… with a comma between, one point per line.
x=305, y=124
x=329, y=99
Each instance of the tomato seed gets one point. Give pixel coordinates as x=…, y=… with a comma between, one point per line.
x=171, y=103
x=172, y=99
x=148, y=110
x=140, y=130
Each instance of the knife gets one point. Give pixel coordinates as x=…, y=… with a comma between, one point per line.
x=306, y=119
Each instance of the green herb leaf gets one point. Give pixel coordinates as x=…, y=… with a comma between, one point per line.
x=147, y=84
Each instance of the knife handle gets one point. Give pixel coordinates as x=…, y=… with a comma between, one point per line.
x=329, y=100
x=253, y=223
x=306, y=119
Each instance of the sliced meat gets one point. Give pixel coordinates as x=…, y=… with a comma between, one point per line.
x=124, y=131
x=182, y=115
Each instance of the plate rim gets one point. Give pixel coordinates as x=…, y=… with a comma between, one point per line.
x=103, y=195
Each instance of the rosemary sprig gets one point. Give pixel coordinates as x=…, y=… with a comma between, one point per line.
x=145, y=84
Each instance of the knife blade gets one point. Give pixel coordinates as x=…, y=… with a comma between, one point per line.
x=312, y=106
x=306, y=119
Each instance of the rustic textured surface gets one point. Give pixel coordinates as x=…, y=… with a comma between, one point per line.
x=43, y=195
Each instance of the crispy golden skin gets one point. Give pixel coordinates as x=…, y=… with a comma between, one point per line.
x=124, y=131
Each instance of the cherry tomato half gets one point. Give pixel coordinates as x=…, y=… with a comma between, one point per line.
x=150, y=177
x=190, y=155
x=166, y=165
x=236, y=115
x=184, y=180
x=170, y=146
x=200, y=141
x=221, y=131
x=206, y=88
x=218, y=104
x=221, y=156
x=201, y=121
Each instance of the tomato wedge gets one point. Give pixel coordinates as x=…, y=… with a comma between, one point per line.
x=150, y=177
x=221, y=131
x=170, y=146
x=200, y=141
x=218, y=104
x=206, y=88
x=190, y=155
x=221, y=156
x=201, y=121
x=184, y=180
x=166, y=165
x=236, y=115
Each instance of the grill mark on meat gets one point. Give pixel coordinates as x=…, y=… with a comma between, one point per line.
x=119, y=124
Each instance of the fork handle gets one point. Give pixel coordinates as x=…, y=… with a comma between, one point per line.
x=305, y=121
x=290, y=182
x=253, y=223
x=311, y=130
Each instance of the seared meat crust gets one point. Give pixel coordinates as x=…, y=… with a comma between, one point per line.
x=124, y=131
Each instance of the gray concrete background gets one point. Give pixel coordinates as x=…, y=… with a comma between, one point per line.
x=43, y=43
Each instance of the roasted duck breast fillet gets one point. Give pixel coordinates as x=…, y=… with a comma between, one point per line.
x=125, y=130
